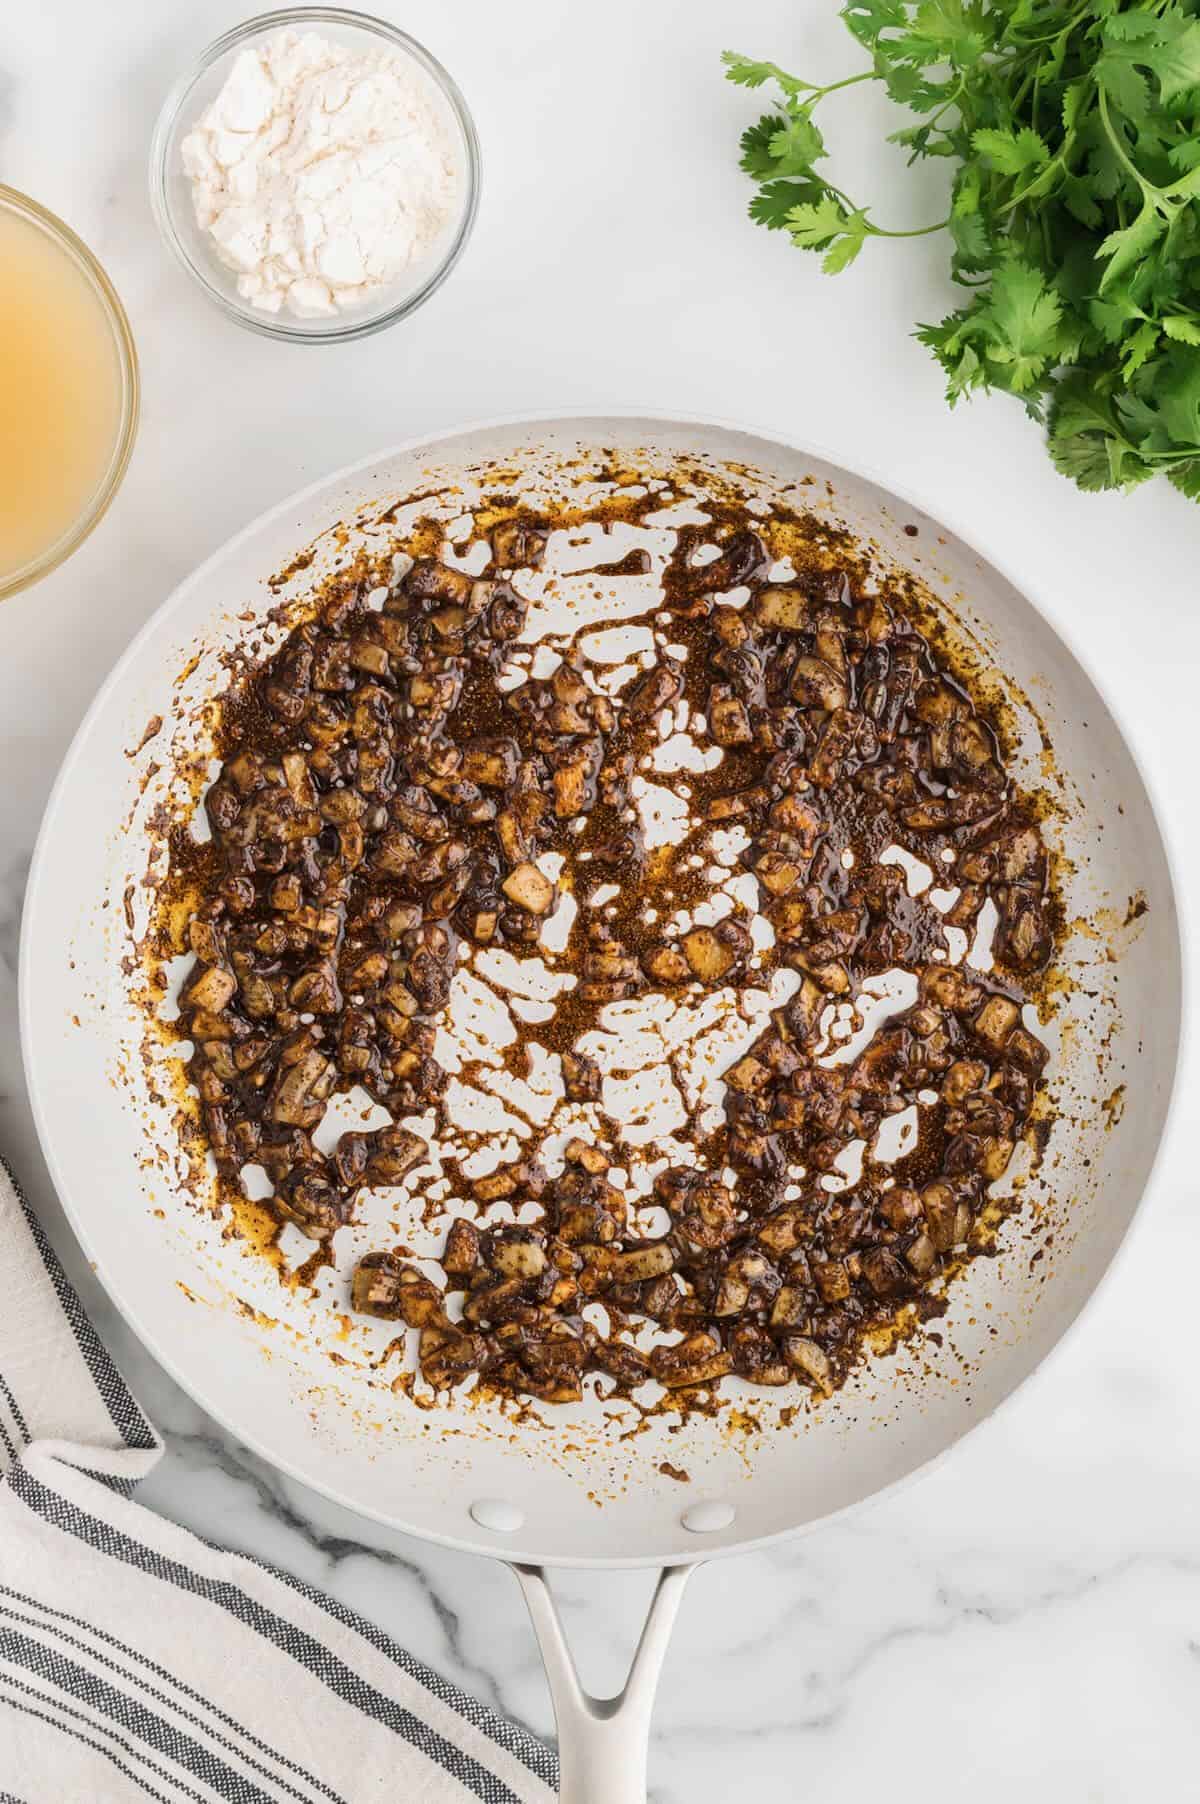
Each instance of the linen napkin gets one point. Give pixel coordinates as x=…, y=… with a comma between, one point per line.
x=137, y=1661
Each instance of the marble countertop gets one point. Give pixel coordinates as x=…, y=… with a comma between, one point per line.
x=1032, y=1609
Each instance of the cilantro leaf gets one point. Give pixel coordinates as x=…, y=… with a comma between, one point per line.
x=1125, y=85
x=1185, y=156
x=756, y=158
x=845, y=249
x=816, y=224
x=1082, y=456
x=827, y=225
x=1112, y=318
x=1011, y=152
x=946, y=31
x=923, y=141
x=1081, y=409
x=1105, y=172
x=1074, y=101
x=796, y=145
x=1128, y=28
x=1186, y=477
x=1178, y=392
x=967, y=193
x=1138, y=348
x=1072, y=128
x=1023, y=316
x=867, y=20
x=1080, y=202
x=908, y=87
x=1167, y=44
x=951, y=343
x=1125, y=248
x=1090, y=443
x=774, y=202
x=750, y=74
x=971, y=248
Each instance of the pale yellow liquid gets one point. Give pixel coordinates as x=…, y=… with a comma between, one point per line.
x=60, y=392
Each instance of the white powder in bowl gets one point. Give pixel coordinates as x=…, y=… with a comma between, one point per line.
x=322, y=174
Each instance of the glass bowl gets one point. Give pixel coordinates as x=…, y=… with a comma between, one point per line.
x=171, y=197
x=110, y=478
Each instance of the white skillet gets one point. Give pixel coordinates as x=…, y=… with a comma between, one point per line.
x=569, y=1492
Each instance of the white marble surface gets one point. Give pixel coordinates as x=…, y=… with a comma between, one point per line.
x=1031, y=1611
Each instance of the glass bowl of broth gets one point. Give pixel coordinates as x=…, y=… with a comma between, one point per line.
x=69, y=381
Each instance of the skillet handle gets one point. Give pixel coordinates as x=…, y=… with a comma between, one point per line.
x=602, y=1742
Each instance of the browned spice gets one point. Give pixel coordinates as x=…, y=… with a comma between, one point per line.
x=382, y=802
x=152, y=728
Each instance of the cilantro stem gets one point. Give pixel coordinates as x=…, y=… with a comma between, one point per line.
x=874, y=231
x=870, y=229
x=949, y=101
x=848, y=81
x=1122, y=154
x=1039, y=177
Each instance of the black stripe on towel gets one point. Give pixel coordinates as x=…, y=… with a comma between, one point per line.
x=124, y=1487
x=118, y=1399
x=65, y=1729
x=164, y=1697
x=540, y=1759
x=67, y=1676
x=14, y=1410
x=313, y=1655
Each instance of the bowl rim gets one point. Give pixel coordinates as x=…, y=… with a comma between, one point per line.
x=13, y=200
x=344, y=329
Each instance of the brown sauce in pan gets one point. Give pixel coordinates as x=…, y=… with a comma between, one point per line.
x=383, y=815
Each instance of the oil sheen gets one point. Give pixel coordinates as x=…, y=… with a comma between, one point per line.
x=60, y=393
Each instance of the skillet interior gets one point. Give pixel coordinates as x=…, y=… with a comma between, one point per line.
x=260, y=1359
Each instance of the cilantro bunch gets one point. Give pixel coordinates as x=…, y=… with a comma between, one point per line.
x=1073, y=127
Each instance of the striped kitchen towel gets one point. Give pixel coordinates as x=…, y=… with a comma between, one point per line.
x=137, y=1662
